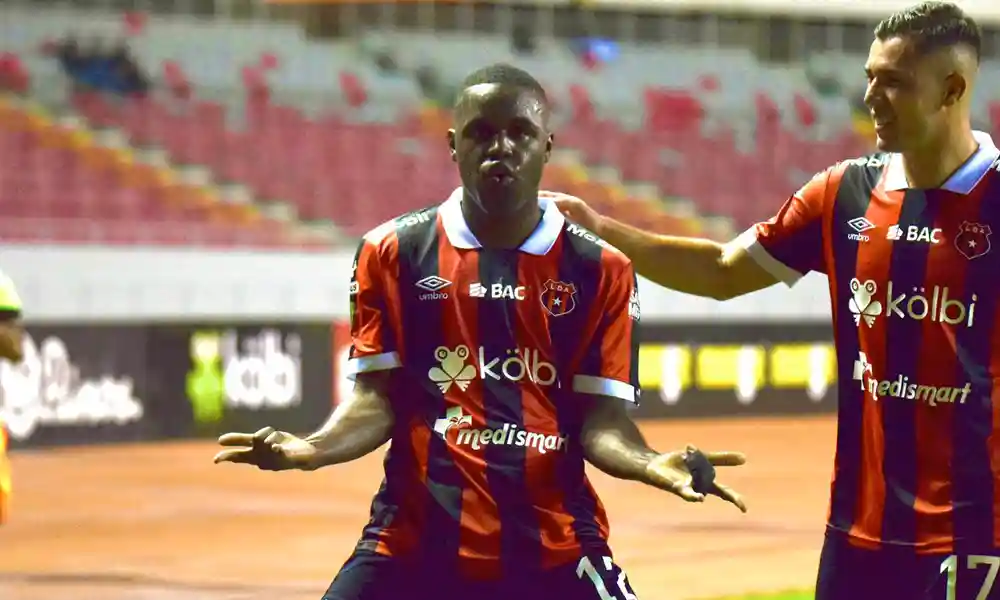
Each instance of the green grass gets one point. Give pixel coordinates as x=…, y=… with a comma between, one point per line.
x=786, y=595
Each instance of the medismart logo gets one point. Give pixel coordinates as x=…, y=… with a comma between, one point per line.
x=902, y=388
x=507, y=435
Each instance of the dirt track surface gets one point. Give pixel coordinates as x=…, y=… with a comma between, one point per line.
x=160, y=522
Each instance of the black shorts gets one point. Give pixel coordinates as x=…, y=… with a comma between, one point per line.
x=368, y=576
x=847, y=572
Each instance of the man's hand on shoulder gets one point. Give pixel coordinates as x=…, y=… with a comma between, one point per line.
x=575, y=210
x=268, y=450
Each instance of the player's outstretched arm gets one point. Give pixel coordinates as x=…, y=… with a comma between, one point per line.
x=691, y=265
x=613, y=443
x=360, y=424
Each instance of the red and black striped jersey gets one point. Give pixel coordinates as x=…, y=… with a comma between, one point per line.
x=914, y=284
x=495, y=351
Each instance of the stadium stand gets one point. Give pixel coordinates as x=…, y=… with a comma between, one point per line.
x=260, y=136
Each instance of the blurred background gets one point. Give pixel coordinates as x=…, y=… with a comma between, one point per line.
x=182, y=185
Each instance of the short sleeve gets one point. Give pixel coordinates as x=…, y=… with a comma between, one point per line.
x=790, y=244
x=610, y=357
x=373, y=347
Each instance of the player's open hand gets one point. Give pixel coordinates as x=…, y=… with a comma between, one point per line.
x=268, y=450
x=575, y=210
x=691, y=474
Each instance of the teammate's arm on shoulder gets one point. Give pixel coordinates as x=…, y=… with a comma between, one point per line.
x=360, y=424
x=789, y=244
x=784, y=248
x=696, y=266
x=11, y=330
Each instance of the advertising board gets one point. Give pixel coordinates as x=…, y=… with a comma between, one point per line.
x=241, y=377
x=82, y=384
x=702, y=370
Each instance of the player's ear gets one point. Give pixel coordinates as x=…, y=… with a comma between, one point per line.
x=955, y=87
x=451, y=145
x=549, y=143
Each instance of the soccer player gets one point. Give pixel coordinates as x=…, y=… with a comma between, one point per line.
x=10, y=349
x=493, y=344
x=904, y=238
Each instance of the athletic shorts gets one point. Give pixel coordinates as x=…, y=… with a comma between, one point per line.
x=369, y=576
x=847, y=572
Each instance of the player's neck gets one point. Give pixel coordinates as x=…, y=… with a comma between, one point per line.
x=501, y=233
x=932, y=166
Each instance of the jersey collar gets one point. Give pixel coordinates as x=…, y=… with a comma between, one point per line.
x=538, y=243
x=961, y=181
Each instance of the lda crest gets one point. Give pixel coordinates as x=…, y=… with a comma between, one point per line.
x=973, y=239
x=558, y=298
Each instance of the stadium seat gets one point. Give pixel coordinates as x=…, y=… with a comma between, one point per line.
x=306, y=125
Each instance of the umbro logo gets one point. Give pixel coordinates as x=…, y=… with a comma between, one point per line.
x=433, y=286
x=433, y=283
x=859, y=225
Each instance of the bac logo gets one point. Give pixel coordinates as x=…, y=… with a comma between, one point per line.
x=914, y=233
x=497, y=291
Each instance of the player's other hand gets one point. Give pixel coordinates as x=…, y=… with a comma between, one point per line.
x=268, y=450
x=575, y=210
x=677, y=473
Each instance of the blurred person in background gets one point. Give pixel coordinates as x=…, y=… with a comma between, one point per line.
x=11, y=332
x=903, y=236
x=453, y=308
x=125, y=77
x=94, y=67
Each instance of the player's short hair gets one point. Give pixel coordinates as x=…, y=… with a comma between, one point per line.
x=934, y=26
x=506, y=75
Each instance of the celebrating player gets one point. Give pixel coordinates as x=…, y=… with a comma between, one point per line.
x=10, y=349
x=904, y=239
x=493, y=345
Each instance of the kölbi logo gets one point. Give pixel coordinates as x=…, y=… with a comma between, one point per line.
x=862, y=303
x=255, y=371
x=934, y=304
x=519, y=364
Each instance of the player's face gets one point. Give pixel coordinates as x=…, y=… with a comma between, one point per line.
x=904, y=95
x=501, y=144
